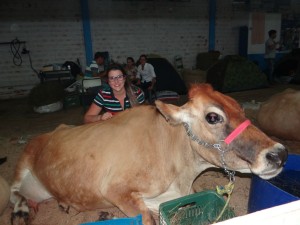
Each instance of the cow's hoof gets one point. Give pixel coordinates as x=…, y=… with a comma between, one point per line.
x=105, y=216
x=19, y=217
x=64, y=208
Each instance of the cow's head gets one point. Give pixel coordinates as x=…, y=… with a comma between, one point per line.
x=209, y=117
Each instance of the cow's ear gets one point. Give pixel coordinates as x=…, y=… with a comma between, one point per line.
x=172, y=113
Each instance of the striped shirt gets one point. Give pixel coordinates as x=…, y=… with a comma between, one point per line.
x=106, y=99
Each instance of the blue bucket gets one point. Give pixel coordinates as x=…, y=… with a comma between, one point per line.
x=277, y=191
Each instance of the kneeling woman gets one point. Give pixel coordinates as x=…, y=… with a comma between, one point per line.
x=115, y=97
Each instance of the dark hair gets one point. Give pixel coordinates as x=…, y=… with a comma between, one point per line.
x=98, y=55
x=115, y=66
x=130, y=58
x=271, y=32
x=128, y=86
x=143, y=55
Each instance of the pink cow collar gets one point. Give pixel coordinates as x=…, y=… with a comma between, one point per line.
x=237, y=131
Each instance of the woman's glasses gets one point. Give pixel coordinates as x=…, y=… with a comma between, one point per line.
x=118, y=78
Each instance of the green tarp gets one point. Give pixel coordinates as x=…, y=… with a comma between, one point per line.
x=235, y=73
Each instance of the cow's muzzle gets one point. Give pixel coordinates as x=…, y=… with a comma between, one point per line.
x=277, y=157
x=274, y=161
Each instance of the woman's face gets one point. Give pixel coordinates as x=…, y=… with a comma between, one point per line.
x=129, y=62
x=142, y=60
x=116, y=80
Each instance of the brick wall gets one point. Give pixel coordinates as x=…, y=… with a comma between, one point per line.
x=229, y=18
x=53, y=33
x=143, y=27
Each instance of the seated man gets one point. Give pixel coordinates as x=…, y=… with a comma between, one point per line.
x=146, y=77
x=97, y=67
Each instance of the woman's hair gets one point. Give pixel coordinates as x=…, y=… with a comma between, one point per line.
x=130, y=58
x=128, y=86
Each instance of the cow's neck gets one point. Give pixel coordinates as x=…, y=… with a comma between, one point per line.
x=217, y=146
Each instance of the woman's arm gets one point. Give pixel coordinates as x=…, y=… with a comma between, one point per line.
x=92, y=114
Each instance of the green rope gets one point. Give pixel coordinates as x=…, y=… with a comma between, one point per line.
x=222, y=190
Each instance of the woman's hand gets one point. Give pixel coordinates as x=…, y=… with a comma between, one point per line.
x=105, y=116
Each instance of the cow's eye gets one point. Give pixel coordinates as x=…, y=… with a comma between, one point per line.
x=213, y=118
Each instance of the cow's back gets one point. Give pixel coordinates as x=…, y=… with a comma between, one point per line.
x=279, y=116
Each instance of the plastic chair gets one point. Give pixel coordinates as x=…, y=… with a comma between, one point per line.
x=89, y=89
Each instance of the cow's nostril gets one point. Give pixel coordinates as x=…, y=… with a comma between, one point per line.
x=279, y=157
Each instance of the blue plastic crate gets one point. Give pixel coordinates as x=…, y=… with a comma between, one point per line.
x=121, y=221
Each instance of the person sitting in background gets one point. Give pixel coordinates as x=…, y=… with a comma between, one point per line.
x=270, y=54
x=131, y=69
x=146, y=77
x=95, y=70
x=117, y=96
x=97, y=66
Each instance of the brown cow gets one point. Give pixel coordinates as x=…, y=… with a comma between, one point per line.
x=143, y=156
x=279, y=116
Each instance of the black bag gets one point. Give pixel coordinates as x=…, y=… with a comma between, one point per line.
x=74, y=67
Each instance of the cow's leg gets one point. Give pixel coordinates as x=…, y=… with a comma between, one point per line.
x=132, y=204
x=24, y=187
x=20, y=213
